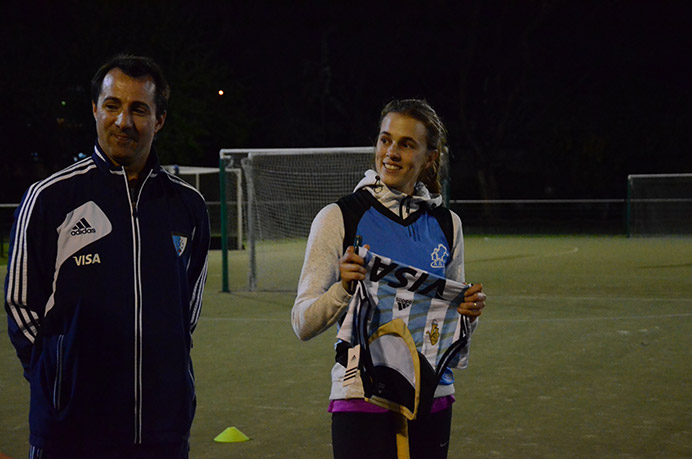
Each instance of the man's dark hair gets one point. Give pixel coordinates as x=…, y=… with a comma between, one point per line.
x=134, y=67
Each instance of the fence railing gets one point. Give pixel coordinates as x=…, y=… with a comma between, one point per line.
x=542, y=216
x=502, y=216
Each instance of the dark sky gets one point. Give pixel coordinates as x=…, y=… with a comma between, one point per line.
x=574, y=94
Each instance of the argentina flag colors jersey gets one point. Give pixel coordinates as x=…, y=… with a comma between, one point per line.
x=406, y=330
x=425, y=302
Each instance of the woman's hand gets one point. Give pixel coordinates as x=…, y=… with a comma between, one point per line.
x=352, y=268
x=474, y=302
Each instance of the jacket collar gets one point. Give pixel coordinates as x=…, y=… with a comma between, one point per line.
x=106, y=165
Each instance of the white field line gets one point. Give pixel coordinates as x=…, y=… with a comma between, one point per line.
x=492, y=320
x=594, y=318
x=284, y=408
x=519, y=256
x=556, y=298
x=467, y=261
x=556, y=254
x=591, y=298
x=242, y=319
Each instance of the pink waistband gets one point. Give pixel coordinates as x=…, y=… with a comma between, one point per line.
x=358, y=405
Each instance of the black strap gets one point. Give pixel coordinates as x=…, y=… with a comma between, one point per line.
x=444, y=219
x=356, y=204
x=454, y=349
x=352, y=208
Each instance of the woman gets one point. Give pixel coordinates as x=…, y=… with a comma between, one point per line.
x=399, y=218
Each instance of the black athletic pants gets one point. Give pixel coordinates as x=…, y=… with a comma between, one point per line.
x=373, y=435
x=167, y=451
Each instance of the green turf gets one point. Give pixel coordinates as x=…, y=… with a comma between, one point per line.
x=583, y=351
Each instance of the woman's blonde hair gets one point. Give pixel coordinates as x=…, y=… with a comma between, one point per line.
x=420, y=110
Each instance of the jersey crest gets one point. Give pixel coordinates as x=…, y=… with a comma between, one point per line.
x=439, y=257
x=433, y=333
x=179, y=242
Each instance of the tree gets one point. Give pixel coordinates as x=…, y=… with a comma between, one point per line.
x=50, y=53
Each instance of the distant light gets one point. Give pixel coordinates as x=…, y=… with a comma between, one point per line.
x=221, y=92
x=63, y=103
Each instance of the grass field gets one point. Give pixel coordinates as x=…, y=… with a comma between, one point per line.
x=583, y=351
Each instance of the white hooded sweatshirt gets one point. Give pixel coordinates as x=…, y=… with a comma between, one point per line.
x=321, y=299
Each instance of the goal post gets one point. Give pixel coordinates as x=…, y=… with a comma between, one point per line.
x=283, y=191
x=206, y=181
x=226, y=171
x=659, y=204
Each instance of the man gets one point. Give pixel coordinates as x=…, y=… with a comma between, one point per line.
x=107, y=264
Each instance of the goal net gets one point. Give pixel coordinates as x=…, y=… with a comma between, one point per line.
x=659, y=204
x=284, y=190
x=206, y=181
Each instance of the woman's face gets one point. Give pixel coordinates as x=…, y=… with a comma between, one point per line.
x=401, y=152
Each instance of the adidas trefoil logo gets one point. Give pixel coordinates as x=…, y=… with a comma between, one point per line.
x=82, y=227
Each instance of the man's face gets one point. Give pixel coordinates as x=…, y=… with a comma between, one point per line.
x=126, y=120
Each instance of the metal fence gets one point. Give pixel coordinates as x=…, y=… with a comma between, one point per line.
x=543, y=216
x=511, y=216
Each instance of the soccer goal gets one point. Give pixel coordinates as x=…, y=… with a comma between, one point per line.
x=659, y=204
x=284, y=190
x=206, y=181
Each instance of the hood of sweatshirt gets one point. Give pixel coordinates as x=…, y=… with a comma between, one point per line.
x=397, y=202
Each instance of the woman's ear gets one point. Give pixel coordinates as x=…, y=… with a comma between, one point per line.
x=432, y=157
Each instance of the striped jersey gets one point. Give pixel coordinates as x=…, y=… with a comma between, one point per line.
x=427, y=304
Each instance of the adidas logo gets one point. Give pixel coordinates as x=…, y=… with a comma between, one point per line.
x=82, y=227
x=403, y=303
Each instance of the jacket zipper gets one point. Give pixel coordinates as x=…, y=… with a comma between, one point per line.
x=138, y=306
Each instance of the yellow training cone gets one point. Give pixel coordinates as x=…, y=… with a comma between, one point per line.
x=231, y=435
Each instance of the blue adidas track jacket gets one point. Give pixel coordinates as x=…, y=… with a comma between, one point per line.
x=102, y=295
